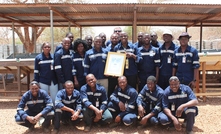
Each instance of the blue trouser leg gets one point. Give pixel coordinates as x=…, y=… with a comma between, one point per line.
x=189, y=114
x=88, y=116
x=153, y=120
x=114, y=109
x=26, y=123
x=57, y=118
x=129, y=119
x=163, y=118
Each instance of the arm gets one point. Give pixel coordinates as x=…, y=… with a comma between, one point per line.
x=157, y=64
x=139, y=102
x=58, y=68
x=86, y=64
x=36, y=70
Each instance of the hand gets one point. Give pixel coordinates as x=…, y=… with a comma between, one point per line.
x=192, y=84
x=76, y=83
x=141, y=111
x=75, y=116
x=121, y=106
x=117, y=119
x=31, y=119
x=98, y=114
x=143, y=121
x=37, y=117
x=179, y=111
x=176, y=124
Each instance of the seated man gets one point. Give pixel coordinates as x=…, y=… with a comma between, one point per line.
x=67, y=106
x=94, y=98
x=40, y=108
x=122, y=103
x=179, y=101
x=149, y=102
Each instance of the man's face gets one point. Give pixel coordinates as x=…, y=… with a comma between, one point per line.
x=174, y=85
x=103, y=37
x=89, y=40
x=69, y=88
x=122, y=82
x=153, y=37
x=114, y=39
x=117, y=30
x=97, y=42
x=66, y=44
x=140, y=37
x=146, y=39
x=151, y=85
x=34, y=90
x=123, y=37
x=184, y=41
x=71, y=37
x=91, y=80
x=167, y=38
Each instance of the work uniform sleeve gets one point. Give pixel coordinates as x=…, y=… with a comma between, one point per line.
x=78, y=102
x=141, y=96
x=104, y=99
x=73, y=67
x=86, y=64
x=58, y=100
x=165, y=102
x=58, y=68
x=49, y=104
x=157, y=58
x=196, y=63
x=114, y=97
x=36, y=69
x=157, y=109
x=84, y=97
x=21, y=106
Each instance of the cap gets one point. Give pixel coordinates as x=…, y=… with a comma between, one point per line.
x=167, y=32
x=184, y=34
x=151, y=78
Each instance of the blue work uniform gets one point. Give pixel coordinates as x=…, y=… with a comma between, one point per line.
x=157, y=45
x=148, y=61
x=64, y=68
x=78, y=65
x=151, y=102
x=42, y=104
x=94, y=62
x=72, y=102
x=128, y=97
x=131, y=72
x=166, y=66
x=138, y=44
x=172, y=100
x=61, y=46
x=185, y=63
x=44, y=69
x=98, y=99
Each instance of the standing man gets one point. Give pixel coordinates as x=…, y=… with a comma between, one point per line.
x=179, y=101
x=95, y=60
x=94, y=99
x=122, y=103
x=103, y=37
x=148, y=62
x=63, y=62
x=166, y=58
x=39, y=107
x=117, y=30
x=89, y=41
x=154, y=41
x=140, y=40
x=186, y=62
x=130, y=50
x=71, y=37
x=149, y=102
x=67, y=106
x=112, y=80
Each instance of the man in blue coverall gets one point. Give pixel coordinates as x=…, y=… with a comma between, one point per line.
x=178, y=101
x=94, y=99
x=63, y=62
x=186, y=61
x=122, y=103
x=149, y=102
x=67, y=106
x=40, y=107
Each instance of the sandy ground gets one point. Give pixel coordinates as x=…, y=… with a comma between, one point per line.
x=207, y=122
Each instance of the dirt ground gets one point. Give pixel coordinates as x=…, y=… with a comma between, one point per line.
x=207, y=122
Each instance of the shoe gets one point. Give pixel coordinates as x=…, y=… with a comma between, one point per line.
x=189, y=132
x=55, y=131
x=113, y=125
x=87, y=128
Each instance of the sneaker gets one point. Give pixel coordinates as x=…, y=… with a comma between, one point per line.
x=87, y=128
x=55, y=131
x=113, y=125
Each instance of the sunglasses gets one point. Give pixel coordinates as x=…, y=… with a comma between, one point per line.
x=117, y=31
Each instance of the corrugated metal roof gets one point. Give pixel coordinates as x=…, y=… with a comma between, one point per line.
x=98, y=14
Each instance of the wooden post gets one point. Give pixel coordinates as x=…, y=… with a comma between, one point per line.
x=19, y=80
x=204, y=80
x=134, y=29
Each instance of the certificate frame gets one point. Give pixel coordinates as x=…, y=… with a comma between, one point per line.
x=115, y=64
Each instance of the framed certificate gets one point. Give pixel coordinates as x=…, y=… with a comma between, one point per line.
x=115, y=64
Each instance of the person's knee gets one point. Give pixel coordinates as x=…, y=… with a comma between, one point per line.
x=163, y=119
x=154, y=120
x=18, y=119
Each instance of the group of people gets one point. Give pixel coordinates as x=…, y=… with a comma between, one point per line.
x=74, y=79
